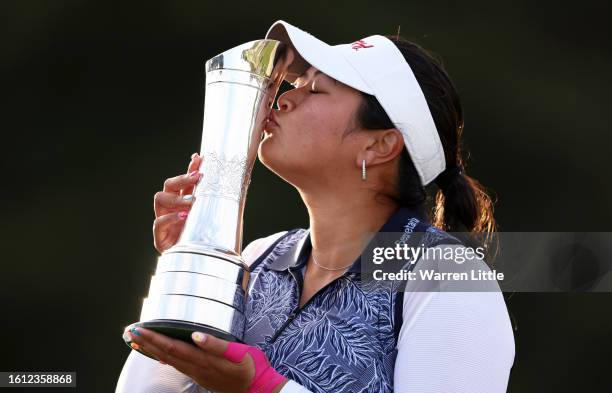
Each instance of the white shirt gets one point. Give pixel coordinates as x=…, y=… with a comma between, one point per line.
x=449, y=341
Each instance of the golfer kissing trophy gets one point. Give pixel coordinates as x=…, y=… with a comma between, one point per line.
x=200, y=282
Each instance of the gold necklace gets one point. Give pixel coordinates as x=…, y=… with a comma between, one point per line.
x=326, y=268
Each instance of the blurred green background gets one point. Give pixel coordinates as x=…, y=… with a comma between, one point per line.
x=104, y=100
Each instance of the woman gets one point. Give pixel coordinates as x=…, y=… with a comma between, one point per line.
x=366, y=128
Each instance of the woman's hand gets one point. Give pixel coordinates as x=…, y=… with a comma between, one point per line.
x=208, y=363
x=172, y=206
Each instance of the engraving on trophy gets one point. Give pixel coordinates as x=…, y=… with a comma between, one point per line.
x=225, y=178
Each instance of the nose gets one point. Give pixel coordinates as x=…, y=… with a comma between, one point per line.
x=286, y=101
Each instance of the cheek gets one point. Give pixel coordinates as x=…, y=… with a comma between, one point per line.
x=320, y=125
x=311, y=137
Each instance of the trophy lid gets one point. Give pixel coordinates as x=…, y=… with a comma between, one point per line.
x=257, y=57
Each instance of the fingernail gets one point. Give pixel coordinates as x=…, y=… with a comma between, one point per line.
x=193, y=174
x=127, y=337
x=187, y=197
x=183, y=215
x=135, y=331
x=198, y=337
x=134, y=346
x=193, y=156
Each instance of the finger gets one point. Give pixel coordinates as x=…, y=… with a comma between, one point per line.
x=194, y=165
x=167, y=202
x=167, y=228
x=174, y=352
x=183, y=366
x=210, y=344
x=177, y=183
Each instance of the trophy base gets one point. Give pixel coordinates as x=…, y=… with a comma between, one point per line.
x=179, y=330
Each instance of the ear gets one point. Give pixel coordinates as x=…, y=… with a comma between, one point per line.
x=383, y=146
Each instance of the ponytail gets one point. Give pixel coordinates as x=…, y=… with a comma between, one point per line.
x=462, y=204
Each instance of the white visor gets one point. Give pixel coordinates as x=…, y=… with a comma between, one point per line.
x=374, y=65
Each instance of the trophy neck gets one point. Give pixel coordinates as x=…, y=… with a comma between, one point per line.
x=240, y=88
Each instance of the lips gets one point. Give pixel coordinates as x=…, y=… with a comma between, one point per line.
x=271, y=122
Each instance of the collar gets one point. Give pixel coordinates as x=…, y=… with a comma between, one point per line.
x=297, y=255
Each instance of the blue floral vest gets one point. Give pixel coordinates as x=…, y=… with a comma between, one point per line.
x=344, y=338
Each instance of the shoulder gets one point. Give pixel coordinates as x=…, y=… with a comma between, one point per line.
x=255, y=248
x=456, y=270
x=457, y=318
x=259, y=246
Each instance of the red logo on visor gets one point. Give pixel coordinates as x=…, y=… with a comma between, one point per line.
x=361, y=44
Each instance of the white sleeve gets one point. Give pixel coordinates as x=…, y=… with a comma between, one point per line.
x=453, y=341
x=141, y=374
x=294, y=387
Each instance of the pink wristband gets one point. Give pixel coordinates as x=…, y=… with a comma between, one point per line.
x=266, y=378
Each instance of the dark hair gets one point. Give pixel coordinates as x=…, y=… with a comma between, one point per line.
x=462, y=205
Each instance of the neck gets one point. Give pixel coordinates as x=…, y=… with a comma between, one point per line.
x=339, y=223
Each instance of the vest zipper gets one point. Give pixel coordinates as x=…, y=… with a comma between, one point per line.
x=297, y=310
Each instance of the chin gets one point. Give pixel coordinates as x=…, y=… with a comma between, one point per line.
x=272, y=158
x=265, y=152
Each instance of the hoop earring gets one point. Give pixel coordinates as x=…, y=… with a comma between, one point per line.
x=363, y=170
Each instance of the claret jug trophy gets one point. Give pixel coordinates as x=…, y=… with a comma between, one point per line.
x=200, y=282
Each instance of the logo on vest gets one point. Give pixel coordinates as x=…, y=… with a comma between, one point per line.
x=360, y=44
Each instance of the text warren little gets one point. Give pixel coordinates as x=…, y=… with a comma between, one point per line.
x=432, y=275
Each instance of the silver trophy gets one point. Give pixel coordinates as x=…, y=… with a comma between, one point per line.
x=200, y=283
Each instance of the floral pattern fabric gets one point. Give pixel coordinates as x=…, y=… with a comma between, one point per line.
x=344, y=338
